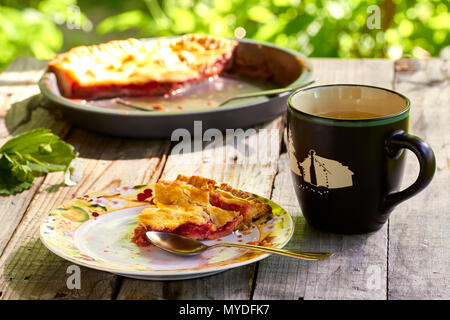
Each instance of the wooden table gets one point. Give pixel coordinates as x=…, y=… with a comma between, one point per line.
x=409, y=258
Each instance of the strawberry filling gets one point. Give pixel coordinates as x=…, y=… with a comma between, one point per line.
x=217, y=201
x=75, y=90
x=111, y=90
x=190, y=230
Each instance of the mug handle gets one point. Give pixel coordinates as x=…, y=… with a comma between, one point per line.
x=394, y=144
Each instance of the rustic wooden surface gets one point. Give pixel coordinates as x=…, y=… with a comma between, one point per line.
x=408, y=258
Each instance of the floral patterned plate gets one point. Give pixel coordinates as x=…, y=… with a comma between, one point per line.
x=95, y=231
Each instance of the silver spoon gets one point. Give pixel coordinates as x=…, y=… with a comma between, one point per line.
x=188, y=247
x=266, y=92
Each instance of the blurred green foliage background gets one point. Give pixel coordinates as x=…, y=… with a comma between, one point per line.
x=318, y=28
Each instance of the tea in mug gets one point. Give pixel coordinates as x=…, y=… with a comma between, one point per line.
x=349, y=115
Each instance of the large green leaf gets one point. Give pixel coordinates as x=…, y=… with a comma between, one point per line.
x=41, y=150
x=31, y=154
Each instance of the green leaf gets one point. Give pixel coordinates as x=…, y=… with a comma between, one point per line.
x=29, y=146
x=11, y=185
x=22, y=172
x=31, y=154
x=45, y=148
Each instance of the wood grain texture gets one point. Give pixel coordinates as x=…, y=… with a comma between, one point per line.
x=31, y=271
x=419, y=238
x=19, y=112
x=249, y=164
x=28, y=269
x=359, y=268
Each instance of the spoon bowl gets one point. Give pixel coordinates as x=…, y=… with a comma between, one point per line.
x=185, y=246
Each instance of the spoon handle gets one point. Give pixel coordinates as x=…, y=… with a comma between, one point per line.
x=284, y=252
x=265, y=92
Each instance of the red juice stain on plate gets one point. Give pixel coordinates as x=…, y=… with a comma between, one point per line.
x=145, y=195
x=159, y=107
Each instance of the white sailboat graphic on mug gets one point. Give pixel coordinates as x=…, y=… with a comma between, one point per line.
x=319, y=171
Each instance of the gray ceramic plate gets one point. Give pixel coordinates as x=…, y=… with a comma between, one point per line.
x=283, y=67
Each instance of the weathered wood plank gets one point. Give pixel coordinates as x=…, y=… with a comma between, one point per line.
x=359, y=268
x=19, y=113
x=253, y=171
x=31, y=271
x=419, y=241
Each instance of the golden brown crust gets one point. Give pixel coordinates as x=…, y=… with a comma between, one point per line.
x=197, y=181
x=172, y=216
x=180, y=194
x=220, y=217
x=235, y=192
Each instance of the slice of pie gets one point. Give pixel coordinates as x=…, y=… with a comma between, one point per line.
x=197, y=208
x=140, y=67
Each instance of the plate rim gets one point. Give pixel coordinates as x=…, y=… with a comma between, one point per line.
x=165, y=273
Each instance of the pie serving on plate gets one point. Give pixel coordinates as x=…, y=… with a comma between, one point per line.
x=197, y=208
x=140, y=67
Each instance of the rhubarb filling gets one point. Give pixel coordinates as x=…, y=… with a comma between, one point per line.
x=76, y=90
x=188, y=229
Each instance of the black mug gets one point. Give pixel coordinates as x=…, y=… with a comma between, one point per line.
x=345, y=146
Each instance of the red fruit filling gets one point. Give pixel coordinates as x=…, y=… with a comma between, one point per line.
x=145, y=195
x=191, y=230
x=74, y=90
x=243, y=209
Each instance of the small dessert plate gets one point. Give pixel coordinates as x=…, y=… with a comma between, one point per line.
x=95, y=231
